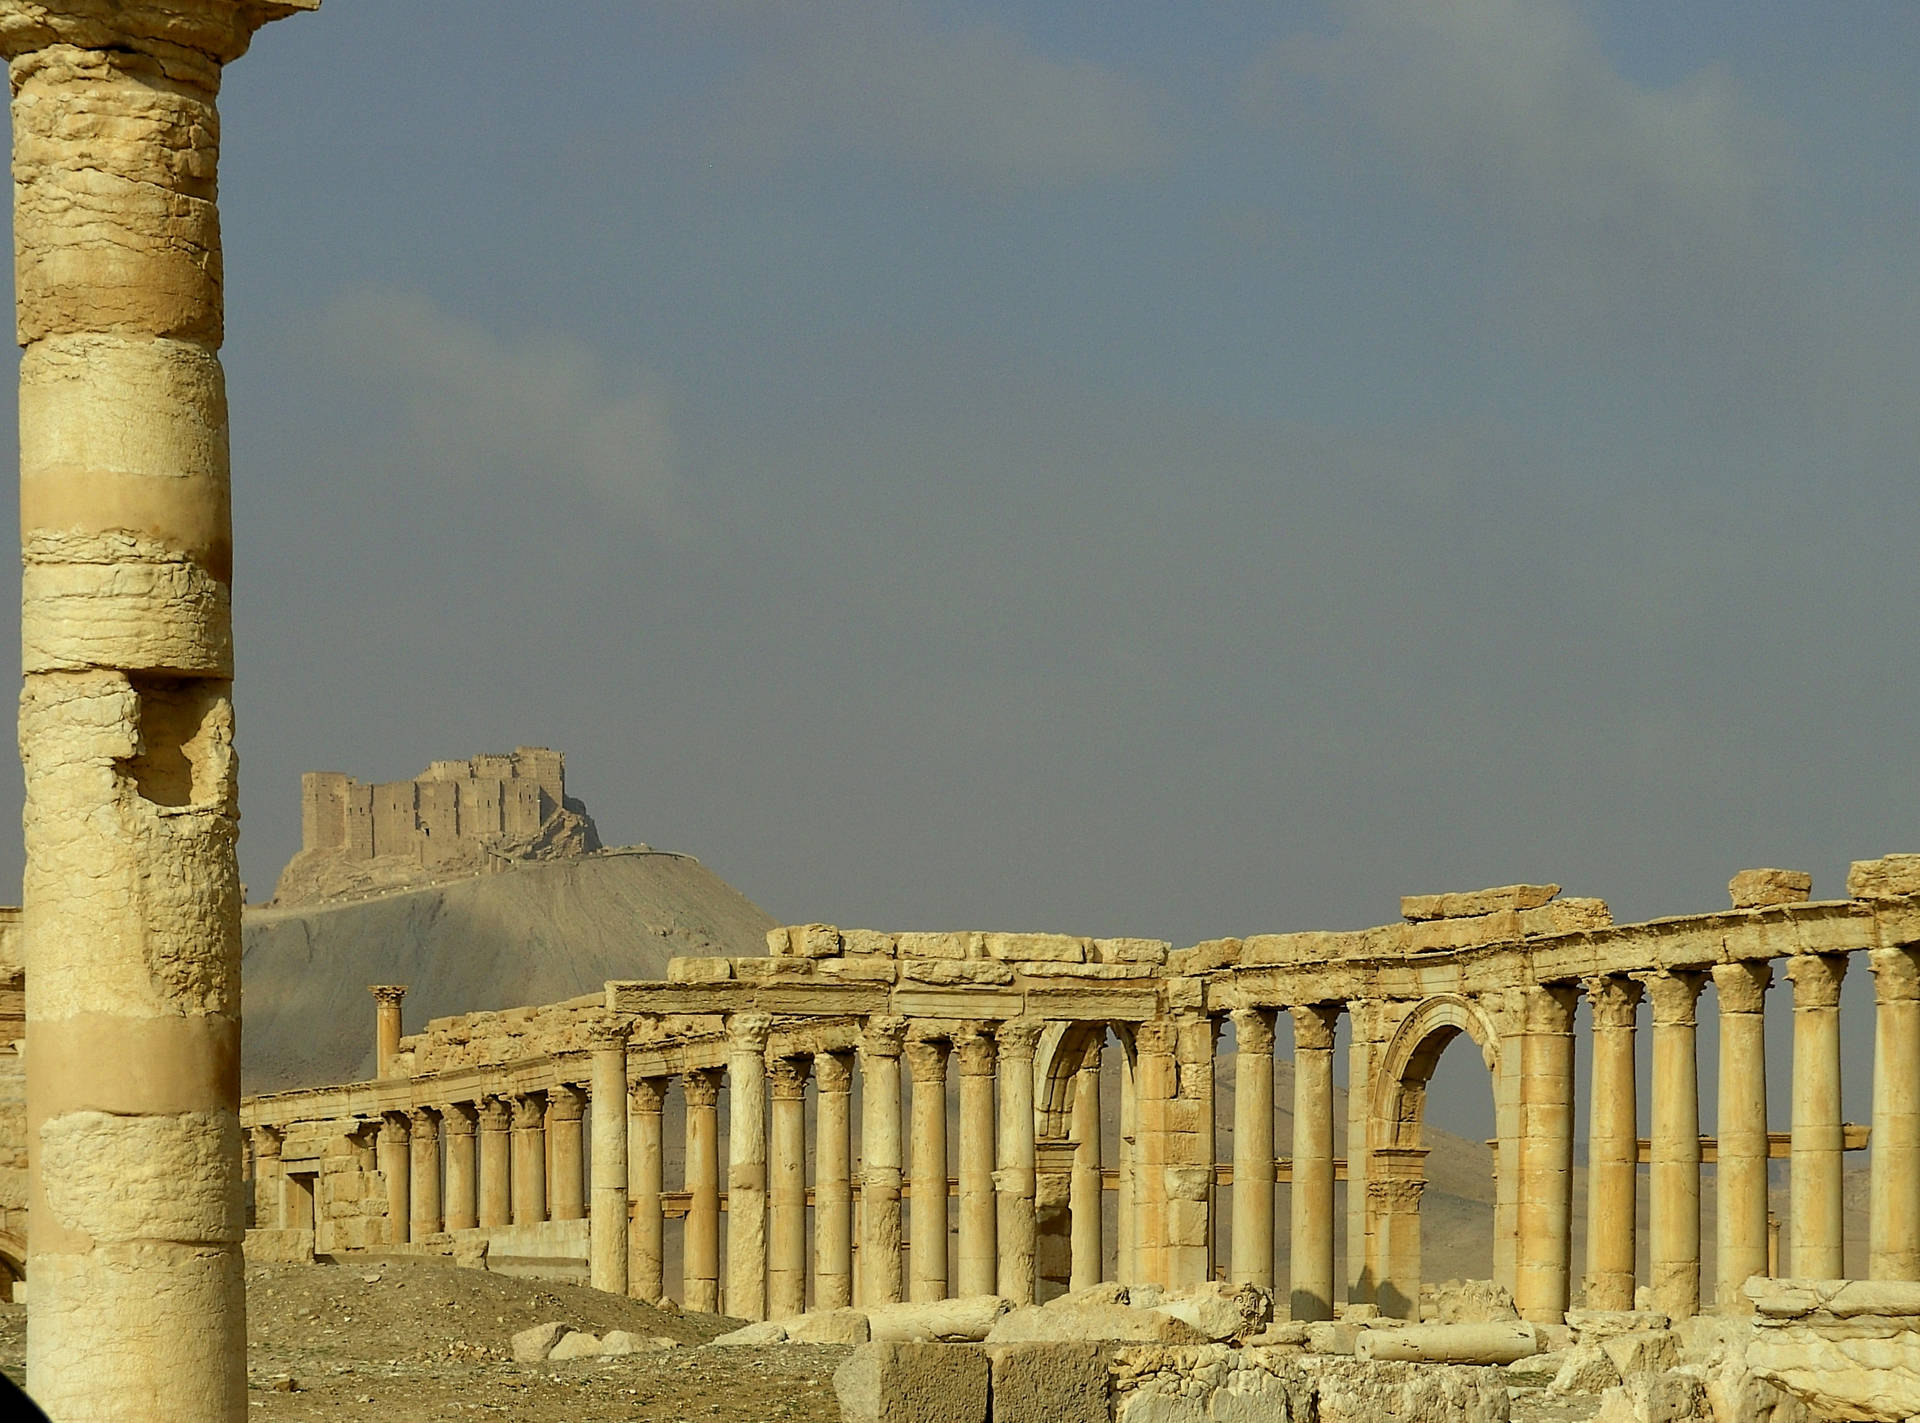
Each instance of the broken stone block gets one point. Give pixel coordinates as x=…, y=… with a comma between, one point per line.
x=1048, y=948
x=1092, y=1322
x=1221, y=1311
x=1648, y=1351
x=1656, y=1398
x=699, y=970
x=1566, y=916
x=1050, y=1383
x=1586, y=1369
x=1466, y=904
x=576, y=1345
x=1885, y=878
x=830, y=1326
x=966, y=1319
x=531, y=1346
x=913, y=1383
x=767, y=1331
x=1756, y=889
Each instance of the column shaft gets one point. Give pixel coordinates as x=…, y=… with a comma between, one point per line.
x=1084, y=1188
x=607, y=1221
x=1545, y=1201
x=424, y=1210
x=1360, y=1283
x=1893, y=1181
x=1252, y=1258
x=646, y=1152
x=747, y=1165
x=530, y=1158
x=700, y=1238
x=496, y=1162
x=458, y=1122
x=880, y=1047
x=1613, y=1146
x=975, y=1256
x=1311, y=1226
x=1740, y=1175
x=396, y=1164
x=1673, y=1181
x=1014, y=1179
x=1506, y=1146
x=1817, y=1205
x=927, y=1236
x=787, y=1190
x=833, y=1182
x=566, y=1184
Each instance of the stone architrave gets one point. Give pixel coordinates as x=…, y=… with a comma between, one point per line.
x=1311, y=1220
x=974, y=1258
x=1013, y=1179
x=1545, y=1202
x=1252, y=1262
x=787, y=1189
x=927, y=1237
x=1816, y=1209
x=646, y=1176
x=1613, y=1144
x=566, y=1153
x=607, y=1246
x=1673, y=1178
x=1893, y=1183
x=700, y=1240
x=1740, y=1175
x=747, y=1165
x=833, y=1181
x=496, y=1161
x=881, y=1042
x=131, y=892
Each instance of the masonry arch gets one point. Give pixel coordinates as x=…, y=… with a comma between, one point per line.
x=1084, y=1110
x=13, y=1262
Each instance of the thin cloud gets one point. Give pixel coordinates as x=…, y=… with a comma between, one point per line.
x=476, y=408
x=882, y=79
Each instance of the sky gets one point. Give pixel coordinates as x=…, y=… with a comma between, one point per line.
x=1112, y=468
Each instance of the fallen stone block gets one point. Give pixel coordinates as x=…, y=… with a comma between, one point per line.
x=1757, y=889
x=1590, y=1326
x=576, y=1345
x=1471, y=903
x=1220, y=1311
x=1586, y=1369
x=767, y=1331
x=967, y=1319
x=620, y=1341
x=1039, y=1324
x=1348, y=1391
x=1650, y=1351
x=1050, y=1383
x=1885, y=878
x=888, y=1382
x=830, y=1326
x=1449, y=1343
x=1472, y=1302
x=531, y=1346
x=1656, y=1398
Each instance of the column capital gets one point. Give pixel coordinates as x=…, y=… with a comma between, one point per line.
x=1017, y=1038
x=267, y=1141
x=1156, y=1038
x=701, y=1086
x=394, y=1122
x=609, y=1035
x=529, y=1110
x=747, y=1032
x=1548, y=1007
x=1395, y=1195
x=388, y=993
x=1742, y=986
x=1313, y=1026
x=833, y=1072
x=973, y=1045
x=1252, y=1029
x=1896, y=975
x=566, y=1102
x=788, y=1076
x=1816, y=979
x=926, y=1058
x=1615, y=999
x=495, y=1113
x=1673, y=993
x=424, y=1121
x=459, y=1118
x=1195, y=1035
x=647, y=1096
x=218, y=31
x=882, y=1035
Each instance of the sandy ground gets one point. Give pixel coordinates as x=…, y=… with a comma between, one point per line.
x=405, y=1341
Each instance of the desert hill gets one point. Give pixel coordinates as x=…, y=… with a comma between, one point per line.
x=537, y=932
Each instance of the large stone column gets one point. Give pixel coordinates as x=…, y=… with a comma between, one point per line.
x=700, y=1240
x=1085, y=1185
x=787, y=1190
x=880, y=1047
x=1360, y=1051
x=1311, y=1224
x=396, y=1164
x=386, y=1026
x=646, y=1155
x=1509, y=1016
x=1613, y=1145
x=423, y=1218
x=927, y=1236
x=1545, y=1207
x=1893, y=1182
x=530, y=1158
x=1396, y=1180
x=973, y=1046
x=607, y=1218
x=747, y=1165
x=1816, y=1206
x=1740, y=1174
x=566, y=1185
x=458, y=1127
x=1673, y=1180
x=131, y=892
x=1252, y=1257
x=267, y=1142
x=496, y=1162
x=1013, y=1180
x=833, y=1181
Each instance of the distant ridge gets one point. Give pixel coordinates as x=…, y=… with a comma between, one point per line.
x=534, y=933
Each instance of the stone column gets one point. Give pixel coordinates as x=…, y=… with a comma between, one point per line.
x=1252, y=1261
x=1126, y=1271
x=496, y=1162
x=1740, y=1175
x=646, y=1153
x=1816, y=1207
x=1613, y=1145
x=880, y=1046
x=747, y=1165
x=832, y=1181
x=1395, y=1182
x=1360, y=1282
x=787, y=1194
x=607, y=1221
x=1014, y=1178
x=267, y=1142
x=1893, y=1182
x=395, y=1164
x=424, y=1214
x=1191, y=1184
x=1545, y=1202
x=1311, y=1226
x=927, y=1236
x=566, y=1184
x=1673, y=1182
x=386, y=1026
x=1084, y=1187
x=1509, y=1016
x=458, y=1125
x=700, y=1240
x=973, y=1046
x=131, y=892
x=530, y=1158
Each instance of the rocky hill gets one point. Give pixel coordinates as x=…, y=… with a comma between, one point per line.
x=533, y=933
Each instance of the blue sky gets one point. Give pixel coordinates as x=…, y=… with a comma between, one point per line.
x=1116, y=469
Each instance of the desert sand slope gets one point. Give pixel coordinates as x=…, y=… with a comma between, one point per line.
x=538, y=933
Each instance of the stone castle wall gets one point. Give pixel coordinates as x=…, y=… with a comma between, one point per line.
x=452, y=806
